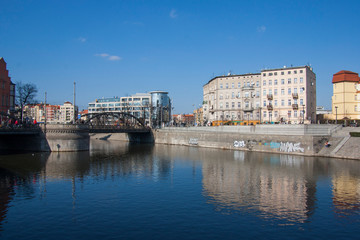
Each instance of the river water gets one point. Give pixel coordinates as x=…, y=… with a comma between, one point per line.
x=122, y=191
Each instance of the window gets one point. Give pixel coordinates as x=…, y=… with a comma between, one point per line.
x=295, y=71
x=257, y=94
x=264, y=83
x=232, y=95
x=275, y=103
x=282, y=91
x=275, y=82
x=289, y=114
x=282, y=73
x=238, y=95
x=232, y=85
x=289, y=72
x=270, y=74
x=289, y=91
x=275, y=113
x=301, y=90
x=295, y=80
x=227, y=85
x=282, y=102
x=239, y=84
x=264, y=92
x=282, y=81
x=295, y=113
x=221, y=105
x=221, y=96
x=270, y=82
x=301, y=80
x=221, y=86
x=246, y=94
x=239, y=104
x=257, y=83
x=275, y=91
x=264, y=74
x=264, y=103
x=289, y=80
x=295, y=90
x=233, y=104
x=355, y=108
x=289, y=102
x=301, y=71
x=275, y=73
x=301, y=102
x=264, y=114
x=270, y=91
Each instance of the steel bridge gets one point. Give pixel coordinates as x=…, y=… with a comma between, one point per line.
x=115, y=122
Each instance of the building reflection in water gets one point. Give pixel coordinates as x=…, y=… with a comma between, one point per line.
x=269, y=185
x=346, y=188
x=275, y=186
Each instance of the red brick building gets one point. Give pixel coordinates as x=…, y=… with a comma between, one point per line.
x=7, y=90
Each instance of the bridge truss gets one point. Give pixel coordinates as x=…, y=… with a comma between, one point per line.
x=121, y=121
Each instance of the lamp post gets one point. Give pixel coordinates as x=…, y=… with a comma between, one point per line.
x=336, y=107
x=260, y=115
x=303, y=113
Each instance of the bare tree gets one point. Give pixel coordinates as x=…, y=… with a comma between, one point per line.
x=25, y=93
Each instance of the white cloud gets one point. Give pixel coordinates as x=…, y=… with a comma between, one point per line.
x=261, y=29
x=104, y=55
x=82, y=39
x=114, y=58
x=173, y=13
x=108, y=56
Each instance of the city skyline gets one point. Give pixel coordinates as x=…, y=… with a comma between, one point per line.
x=116, y=48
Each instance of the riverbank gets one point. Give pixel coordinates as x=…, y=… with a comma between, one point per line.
x=306, y=140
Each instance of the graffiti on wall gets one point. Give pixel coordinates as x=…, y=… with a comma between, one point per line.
x=193, y=141
x=239, y=144
x=281, y=146
x=290, y=147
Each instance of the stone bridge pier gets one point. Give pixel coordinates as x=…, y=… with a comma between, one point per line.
x=65, y=137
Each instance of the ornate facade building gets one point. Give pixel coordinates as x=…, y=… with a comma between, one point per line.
x=285, y=95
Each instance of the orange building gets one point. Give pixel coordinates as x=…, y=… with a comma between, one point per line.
x=7, y=90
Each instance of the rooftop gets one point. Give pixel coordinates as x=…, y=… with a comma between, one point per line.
x=345, y=76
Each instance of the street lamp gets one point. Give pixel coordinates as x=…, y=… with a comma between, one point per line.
x=336, y=107
x=260, y=114
x=303, y=113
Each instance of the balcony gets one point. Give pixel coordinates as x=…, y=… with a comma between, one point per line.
x=295, y=96
x=270, y=97
x=295, y=106
x=251, y=87
x=248, y=109
x=270, y=107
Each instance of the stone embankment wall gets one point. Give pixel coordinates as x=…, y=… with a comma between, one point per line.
x=65, y=137
x=305, y=140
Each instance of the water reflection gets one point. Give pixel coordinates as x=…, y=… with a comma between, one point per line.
x=346, y=188
x=270, y=186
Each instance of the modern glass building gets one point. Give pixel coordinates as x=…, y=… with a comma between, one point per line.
x=160, y=108
x=141, y=105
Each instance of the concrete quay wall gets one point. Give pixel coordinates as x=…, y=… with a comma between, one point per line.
x=305, y=140
x=65, y=138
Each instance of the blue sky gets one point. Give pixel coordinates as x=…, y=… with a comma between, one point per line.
x=119, y=48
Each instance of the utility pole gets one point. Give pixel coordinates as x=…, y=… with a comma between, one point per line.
x=74, y=104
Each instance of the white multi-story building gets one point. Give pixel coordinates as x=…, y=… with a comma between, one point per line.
x=137, y=105
x=232, y=97
x=286, y=93
x=67, y=114
x=274, y=95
